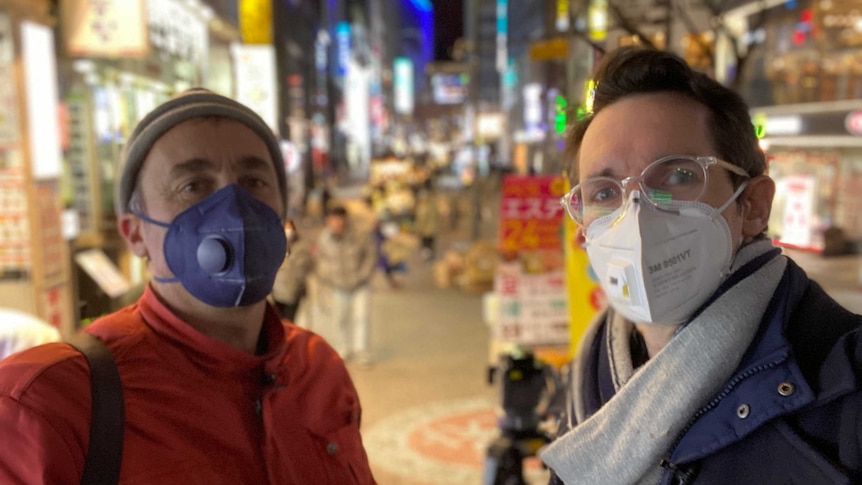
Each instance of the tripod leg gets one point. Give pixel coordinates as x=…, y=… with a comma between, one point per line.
x=504, y=463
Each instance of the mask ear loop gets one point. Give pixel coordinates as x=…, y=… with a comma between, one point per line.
x=159, y=279
x=725, y=206
x=733, y=197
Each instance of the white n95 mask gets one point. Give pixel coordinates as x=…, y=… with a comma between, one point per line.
x=659, y=265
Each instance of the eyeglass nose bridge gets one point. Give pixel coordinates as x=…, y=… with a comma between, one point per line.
x=624, y=183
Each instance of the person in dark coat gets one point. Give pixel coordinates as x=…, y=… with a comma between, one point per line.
x=717, y=360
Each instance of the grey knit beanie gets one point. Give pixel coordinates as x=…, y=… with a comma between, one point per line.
x=193, y=103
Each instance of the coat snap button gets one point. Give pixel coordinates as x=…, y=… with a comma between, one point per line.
x=332, y=448
x=743, y=410
x=786, y=389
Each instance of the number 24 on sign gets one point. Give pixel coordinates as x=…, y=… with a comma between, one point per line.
x=520, y=234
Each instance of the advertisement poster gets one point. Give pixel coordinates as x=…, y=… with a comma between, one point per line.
x=533, y=307
x=531, y=284
x=104, y=28
x=531, y=216
x=255, y=80
x=798, y=210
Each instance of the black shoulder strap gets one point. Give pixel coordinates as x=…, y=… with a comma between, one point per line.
x=105, y=451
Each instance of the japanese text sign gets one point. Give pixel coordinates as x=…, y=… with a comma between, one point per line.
x=531, y=214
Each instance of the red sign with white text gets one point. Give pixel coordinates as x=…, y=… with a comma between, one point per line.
x=531, y=214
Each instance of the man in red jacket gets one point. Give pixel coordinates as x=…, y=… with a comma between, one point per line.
x=217, y=389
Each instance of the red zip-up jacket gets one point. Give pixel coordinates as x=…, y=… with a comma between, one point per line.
x=197, y=411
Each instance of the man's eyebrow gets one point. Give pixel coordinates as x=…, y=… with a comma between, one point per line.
x=192, y=165
x=605, y=172
x=198, y=165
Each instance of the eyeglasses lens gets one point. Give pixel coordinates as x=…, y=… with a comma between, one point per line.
x=675, y=179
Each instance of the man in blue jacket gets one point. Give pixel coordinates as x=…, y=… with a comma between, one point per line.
x=718, y=360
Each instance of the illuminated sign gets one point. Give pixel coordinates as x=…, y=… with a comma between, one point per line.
x=490, y=125
x=502, y=34
x=560, y=114
x=530, y=213
x=799, y=212
x=783, y=125
x=839, y=122
x=40, y=77
x=255, y=21
x=320, y=45
x=342, y=41
x=449, y=88
x=255, y=80
x=532, y=106
x=556, y=48
x=175, y=29
x=106, y=28
x=562, y=22
x=424, y=5
x=402, y=73
x=853, y=122
x=597, y=19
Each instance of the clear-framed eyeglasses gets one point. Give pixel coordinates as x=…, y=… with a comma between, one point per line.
x=669, y=179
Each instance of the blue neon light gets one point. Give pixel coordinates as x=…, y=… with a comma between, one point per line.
x=342, y=39
x=424, y=5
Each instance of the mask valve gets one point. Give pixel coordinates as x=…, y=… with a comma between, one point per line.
x=214, y=255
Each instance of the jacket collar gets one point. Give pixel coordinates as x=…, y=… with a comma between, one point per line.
x=210, y=354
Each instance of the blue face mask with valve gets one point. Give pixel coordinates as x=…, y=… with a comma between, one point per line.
x=226, y=249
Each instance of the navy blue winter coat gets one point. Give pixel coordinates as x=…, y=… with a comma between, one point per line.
x=791, y=413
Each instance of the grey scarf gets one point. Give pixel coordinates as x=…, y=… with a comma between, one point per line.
x=625, y=440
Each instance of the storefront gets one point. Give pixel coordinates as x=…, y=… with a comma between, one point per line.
x=803, y=72
x=806, y=51
x=815, y=156
x=34, y=267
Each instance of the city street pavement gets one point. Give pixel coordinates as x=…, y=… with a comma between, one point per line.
x=429, y=412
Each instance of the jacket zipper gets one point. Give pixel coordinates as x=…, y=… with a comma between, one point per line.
x=686, y=475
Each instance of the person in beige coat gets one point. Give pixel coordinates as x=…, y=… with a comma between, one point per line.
x=346, y=257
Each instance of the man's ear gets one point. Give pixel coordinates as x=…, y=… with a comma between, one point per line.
x=756, y=201
x=130, y=227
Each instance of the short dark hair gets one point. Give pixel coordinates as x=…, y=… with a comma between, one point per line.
x=337, y=211
x=631, y=71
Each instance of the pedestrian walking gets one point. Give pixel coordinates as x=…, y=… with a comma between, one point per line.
x=718, y=360
x=388, y=263
x=346, y=257
x=427, y=223
x=291, y=281
x=213, y=386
